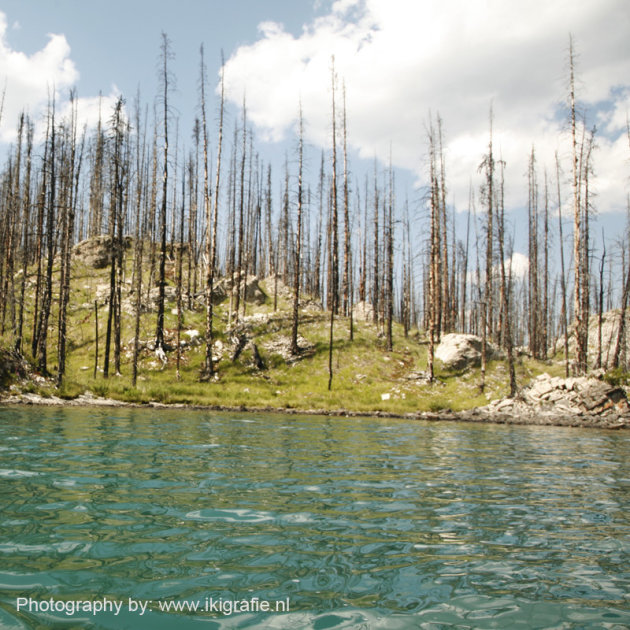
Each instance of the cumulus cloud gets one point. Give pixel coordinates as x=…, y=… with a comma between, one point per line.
x=518, y=265
x=400, y=60
x=28, y=82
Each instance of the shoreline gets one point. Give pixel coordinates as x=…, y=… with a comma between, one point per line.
x=532, y=416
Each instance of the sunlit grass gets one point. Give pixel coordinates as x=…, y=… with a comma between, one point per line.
x=366, y=378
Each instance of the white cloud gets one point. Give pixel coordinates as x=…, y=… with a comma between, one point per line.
x=519, y=265
x=402, y=59
x=28, y=81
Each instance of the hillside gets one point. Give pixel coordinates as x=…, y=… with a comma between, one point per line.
x=254, y=368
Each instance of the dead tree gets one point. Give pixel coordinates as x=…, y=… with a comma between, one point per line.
x=432, y=304
x=600, y=303
x=241, y=219
x=563, y=282
x=165, y=79
x=44, y=313
x=375, y=257
x=211, y=218
x=346, y=215
x=139, y=244
x=298, y=246
x=334, y=240
x=488, y=165
x=26, y=213
x=580, y=244
x=69, y=210
x=505, y=292
x=533, y=292
x=389, y=235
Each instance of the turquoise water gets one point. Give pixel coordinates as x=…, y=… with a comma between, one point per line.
x=358, y=523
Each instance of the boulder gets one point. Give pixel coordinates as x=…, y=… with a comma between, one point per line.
x=457, y=351
x=252, y=292
x=610, y=329
x=96, y=252
x=583, y=394
x=275, y=285
x=251, y=289
x=363, y=312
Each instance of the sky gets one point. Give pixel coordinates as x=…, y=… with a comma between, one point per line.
x=401, y=62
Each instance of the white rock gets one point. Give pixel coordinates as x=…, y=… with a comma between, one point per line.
x=458, y=351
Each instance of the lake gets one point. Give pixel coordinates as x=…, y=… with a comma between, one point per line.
x=348, y=523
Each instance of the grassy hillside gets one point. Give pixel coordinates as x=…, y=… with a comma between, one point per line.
x=367, y=378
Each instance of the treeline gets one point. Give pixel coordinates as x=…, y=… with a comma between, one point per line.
x=345, y=242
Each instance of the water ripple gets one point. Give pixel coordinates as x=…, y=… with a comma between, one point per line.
x=362, y=523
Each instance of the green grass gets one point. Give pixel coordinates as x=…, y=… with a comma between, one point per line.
x=366, y=378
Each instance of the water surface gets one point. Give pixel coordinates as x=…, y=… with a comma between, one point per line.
x=360, y=523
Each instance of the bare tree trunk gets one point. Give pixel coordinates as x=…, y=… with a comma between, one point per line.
x=376, y=270
x=26, y=211
x=578, y=229
x=600, y=304
x=180, y=271
x=96, y=181
x=66, y=249
x=545, y=305
x=320, y=221
x=139, y=246
x=159, y=333
x=464, y=272
x=50, y=246
x=346, y=215
x=298, y=249
x=534, y=300
x=115, y=235
x=41, y=203
x=621, y=330
x=211, y=221
x=444, y=292
x=505, y=304
x=563, y=282
x=488, y=164
x=432, y=304
x=95, y=337
x=334, y=236
x=390, y=263
x=241, y=227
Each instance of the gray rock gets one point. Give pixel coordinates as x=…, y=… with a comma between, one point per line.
x=583, y=396
x=363, y=312
x=249, y=287
x=610, y=328
x=458, y=351
x=96, y=252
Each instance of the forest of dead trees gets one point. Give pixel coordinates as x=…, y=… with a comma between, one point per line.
x=215, y=209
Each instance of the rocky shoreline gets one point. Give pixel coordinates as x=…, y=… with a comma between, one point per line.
x=579, y=402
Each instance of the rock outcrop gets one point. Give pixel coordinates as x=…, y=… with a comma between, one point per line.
x=96, y=252
x=458, y=351
x=580, y=397
x=610, y=330
x=249, y=287
x=363, y=312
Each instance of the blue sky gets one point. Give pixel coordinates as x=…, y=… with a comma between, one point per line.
x=115, y=48
x=399, y=59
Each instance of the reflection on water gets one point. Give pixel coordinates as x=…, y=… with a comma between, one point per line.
x=360, y=523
